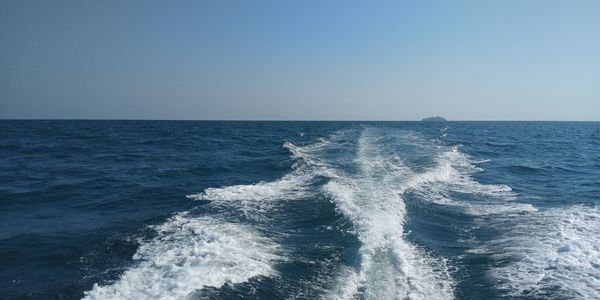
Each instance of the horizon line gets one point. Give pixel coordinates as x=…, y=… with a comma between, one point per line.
x=281, y=120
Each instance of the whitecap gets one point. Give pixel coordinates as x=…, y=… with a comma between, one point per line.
x=291, y=186
x=452, y=174
x=553, y=253
x=190, y=253
x=388, y=266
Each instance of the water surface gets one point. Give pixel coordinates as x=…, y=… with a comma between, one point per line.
x=299, y=210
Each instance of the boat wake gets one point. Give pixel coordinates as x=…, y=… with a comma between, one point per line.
x=190, y=253
x=552, y=254
x=367, y=174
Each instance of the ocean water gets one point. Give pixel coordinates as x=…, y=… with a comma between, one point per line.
x=299, y=210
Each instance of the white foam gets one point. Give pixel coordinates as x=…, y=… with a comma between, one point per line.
x=291, y=186
x=453, y=174
x=256, y=200
x=188, y=254
x=548, y=253
x=367, y=190
x=389, y=266
x=454, y=169
x=553, y=253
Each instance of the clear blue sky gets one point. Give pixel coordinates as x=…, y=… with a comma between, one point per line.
x=349, y=60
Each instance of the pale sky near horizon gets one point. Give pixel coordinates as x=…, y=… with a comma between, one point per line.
x=300, y=60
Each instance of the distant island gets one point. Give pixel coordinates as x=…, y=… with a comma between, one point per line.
x=434, y=119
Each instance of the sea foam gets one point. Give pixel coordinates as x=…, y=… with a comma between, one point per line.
x=452, y=173
x=553, y=253
x=388, y=266
x=190, y=253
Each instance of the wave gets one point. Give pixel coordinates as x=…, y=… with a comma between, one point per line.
x=451, y=175
x=363, y=183
x=190, y=253
x=388, y=266
x=554, y=254
x=256, y=200
x=291, y=186
x=367, y=186
x=367, y=177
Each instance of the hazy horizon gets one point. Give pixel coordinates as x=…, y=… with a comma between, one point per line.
x=282, y=120
x=279, y=60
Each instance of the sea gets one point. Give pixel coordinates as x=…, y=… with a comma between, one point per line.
x=93, y=209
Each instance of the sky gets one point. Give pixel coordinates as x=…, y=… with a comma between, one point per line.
x=300, y=60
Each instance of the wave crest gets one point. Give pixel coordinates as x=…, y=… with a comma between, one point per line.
x=188, y=254
x=553, y=253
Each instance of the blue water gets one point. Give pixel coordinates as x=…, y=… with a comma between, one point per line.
x=299, y=210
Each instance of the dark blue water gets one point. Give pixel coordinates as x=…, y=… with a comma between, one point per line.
x=299, y=210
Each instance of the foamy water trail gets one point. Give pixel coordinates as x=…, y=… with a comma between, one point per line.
x=291, y=186
x=367, y=179
x=453, y=174
x=389, y=267
x=553, y=254
x=190, y=253
x=256, y=200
